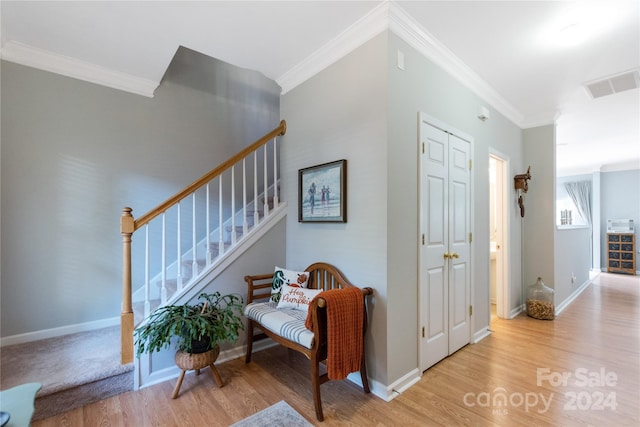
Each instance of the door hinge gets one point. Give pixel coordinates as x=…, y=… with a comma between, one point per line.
x=423, y=238
x=470, y=164
x=423, y=148
x=470, y=237
x=470, y=310
x=423, y=332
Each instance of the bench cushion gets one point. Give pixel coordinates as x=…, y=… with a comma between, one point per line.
x=286, y=322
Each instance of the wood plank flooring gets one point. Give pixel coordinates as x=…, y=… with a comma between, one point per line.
x=512, y=378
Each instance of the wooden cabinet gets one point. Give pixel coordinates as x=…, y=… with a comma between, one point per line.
x=621, y=253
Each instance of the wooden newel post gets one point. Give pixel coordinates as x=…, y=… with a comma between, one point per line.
x=127, y=227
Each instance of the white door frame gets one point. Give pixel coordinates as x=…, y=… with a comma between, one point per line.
x=503, y=294
x=422, y=117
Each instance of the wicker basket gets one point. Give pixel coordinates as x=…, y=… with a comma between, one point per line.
x=187, y=362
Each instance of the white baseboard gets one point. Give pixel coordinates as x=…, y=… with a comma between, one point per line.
x=481, y=334
x=516, y=311
x=564, y=304
x=173, y=372
x=57, y=332
x=388, y=393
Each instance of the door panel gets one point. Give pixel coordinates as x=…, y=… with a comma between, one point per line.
x=433, y=273
x=436, y=323
x=445, y=224
x=459, y=229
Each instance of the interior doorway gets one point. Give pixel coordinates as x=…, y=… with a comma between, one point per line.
x=445, y=201
x=499, y=236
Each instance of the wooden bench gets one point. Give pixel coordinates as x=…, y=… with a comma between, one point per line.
x=311, y=343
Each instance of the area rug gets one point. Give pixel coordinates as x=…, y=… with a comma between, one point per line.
x=278, y=415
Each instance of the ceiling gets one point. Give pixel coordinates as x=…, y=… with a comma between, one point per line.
x=509, y=46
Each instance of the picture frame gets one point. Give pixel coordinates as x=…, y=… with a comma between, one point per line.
x=322, y=192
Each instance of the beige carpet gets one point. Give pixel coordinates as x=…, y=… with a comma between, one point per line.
x=74, y=370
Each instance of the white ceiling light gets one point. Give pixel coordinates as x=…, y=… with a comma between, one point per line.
x=578, y=22
x=570, y=35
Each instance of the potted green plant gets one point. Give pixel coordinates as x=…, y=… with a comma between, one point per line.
x=198, y=327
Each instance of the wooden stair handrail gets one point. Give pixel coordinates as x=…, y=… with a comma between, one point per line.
x=162, y=207
x=128, y=225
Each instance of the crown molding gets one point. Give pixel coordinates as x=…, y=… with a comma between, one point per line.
x=541, y=119
x=363, y=30
x=390, y=16
x=405, y=27
x=30, y=56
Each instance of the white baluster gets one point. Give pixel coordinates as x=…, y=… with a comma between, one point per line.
x=194, y=249
x=233, y=205
x=147, y=285
x=163, y=289
x=179, y=249
x=245, y=223
x=256, y=215
x=266, y=185
x=208, y=239
x=220, y=219
x=275, y=172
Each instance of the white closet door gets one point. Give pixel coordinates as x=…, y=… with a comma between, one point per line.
x=445, y=251
x=434, y=272
x=459, y=246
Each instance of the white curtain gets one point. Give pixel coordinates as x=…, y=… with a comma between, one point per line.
x=580, y=193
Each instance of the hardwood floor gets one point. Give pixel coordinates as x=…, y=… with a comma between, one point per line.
x=595, y=342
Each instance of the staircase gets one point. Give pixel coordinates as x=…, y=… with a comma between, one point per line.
x=81, y=368
x=74, y=370
x=187, y=268
x=175, y=251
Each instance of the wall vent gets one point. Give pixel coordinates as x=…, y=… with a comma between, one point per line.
x=613, y=84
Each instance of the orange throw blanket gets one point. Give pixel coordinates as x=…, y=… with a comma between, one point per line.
x=345, y=317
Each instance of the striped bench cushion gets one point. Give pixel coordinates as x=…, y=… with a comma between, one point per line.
x=286, y=322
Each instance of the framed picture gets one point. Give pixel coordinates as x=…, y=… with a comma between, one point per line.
x=322, y=193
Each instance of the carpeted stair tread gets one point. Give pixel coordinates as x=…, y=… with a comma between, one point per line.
x=74, y=369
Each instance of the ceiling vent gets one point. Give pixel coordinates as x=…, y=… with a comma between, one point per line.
x=614, y=84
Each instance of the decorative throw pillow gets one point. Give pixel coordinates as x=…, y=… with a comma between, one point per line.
x=282, y=276
x=297, y=298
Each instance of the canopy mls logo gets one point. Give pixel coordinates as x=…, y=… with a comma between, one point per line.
x=499, y=400
x=594, y=393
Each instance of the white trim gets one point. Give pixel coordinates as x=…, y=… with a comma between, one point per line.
x=481, y=334
x=564, y=304
x=363, y=30
x=516, y=312
x=390, y=16
x=505, y=251
x=405, y=27
x=172, y=372
x=60, y=331
x=424, y=118
x=30, y=56
x=386, y=16
x=396, y=388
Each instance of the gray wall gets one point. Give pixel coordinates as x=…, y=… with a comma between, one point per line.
x=341, y=113
x=539, y=221
x=267, y=252
x=424, y=87
x=619, y=199
x=572, y=259
x=73, y=155
x=364, y=109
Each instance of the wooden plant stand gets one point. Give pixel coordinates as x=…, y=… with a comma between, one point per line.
x=188, y=362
